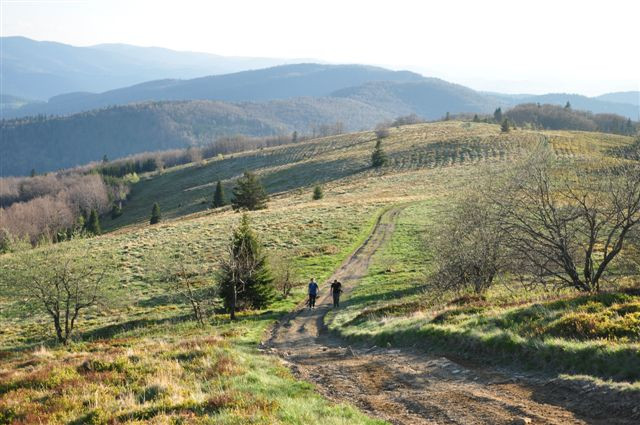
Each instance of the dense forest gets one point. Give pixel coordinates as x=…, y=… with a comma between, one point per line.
x=553, y=117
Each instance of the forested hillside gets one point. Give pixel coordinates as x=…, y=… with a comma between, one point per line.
x=47, y=144
x=554, y=117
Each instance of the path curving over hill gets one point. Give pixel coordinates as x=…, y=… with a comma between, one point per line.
x=411, y=388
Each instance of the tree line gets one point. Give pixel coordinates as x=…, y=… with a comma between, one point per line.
x=45, y=209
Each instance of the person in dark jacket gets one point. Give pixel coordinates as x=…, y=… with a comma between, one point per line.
x=336, y=290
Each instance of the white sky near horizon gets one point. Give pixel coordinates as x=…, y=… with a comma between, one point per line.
x=540, y=46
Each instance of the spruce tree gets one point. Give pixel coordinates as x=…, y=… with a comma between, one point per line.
x=93, y=224
x=116, y=210
x=475, y=118
x=505, y=126
x=378, y=157
x=155, y=214
x=317, y=193
x=249, y=193
x=245, y=280
x=497, y=115
x=218, y=196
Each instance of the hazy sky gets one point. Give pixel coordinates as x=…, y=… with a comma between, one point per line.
x=587, y=47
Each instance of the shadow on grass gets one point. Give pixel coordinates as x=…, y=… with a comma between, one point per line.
x=393, y=294
x=110, y=331
x=620, y=364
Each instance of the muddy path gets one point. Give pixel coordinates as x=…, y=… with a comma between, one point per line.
x=407, y=387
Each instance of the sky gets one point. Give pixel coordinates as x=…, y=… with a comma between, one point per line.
x=586, y=47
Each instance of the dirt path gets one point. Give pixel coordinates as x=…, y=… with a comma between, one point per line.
x=405, y=387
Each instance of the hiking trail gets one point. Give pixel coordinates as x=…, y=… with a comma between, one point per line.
x=408, y=387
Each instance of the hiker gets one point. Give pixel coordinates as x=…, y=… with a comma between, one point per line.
x=313, y=293
x=336, y=290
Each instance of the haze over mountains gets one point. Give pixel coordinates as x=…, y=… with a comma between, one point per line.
x=176, y=111
x=75, y=79
x=40, y=70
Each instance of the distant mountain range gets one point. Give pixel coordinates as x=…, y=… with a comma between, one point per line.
x=43, y=69
x=282, y=82
x=77, y=79
x=92, y=118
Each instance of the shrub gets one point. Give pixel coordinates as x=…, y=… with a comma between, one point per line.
x=317, y=193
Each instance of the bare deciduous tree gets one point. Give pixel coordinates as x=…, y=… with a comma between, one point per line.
x=62, y=285
x=471, y=252
x=285, y=276
x=190, y=282
x=567, y=230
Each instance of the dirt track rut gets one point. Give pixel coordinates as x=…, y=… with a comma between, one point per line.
x=407, y=387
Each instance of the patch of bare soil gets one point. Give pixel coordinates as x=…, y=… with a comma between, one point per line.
x=407, y=387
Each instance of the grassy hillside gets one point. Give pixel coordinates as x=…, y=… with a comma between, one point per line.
x=424, y=146
x=140, y=357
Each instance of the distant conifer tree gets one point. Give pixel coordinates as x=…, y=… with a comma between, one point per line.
x=317, y=193
x=155, y=214
x=93, y=224
x=497, y=115
x=105, y=158
x=33, y=172
x=249, y=193
x=505, y=127
x=294, y=137
x=245, y=280
x=116, y=211
x=378, y=157
x=475, y=118
x=567, y=105
x=218, y=196
x=447, y=117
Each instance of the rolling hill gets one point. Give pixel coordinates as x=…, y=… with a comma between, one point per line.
x=42, y=69
x=140, y=356
x=281, y=82
x=612, y=103
x=48, y=144
x=630, y=97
